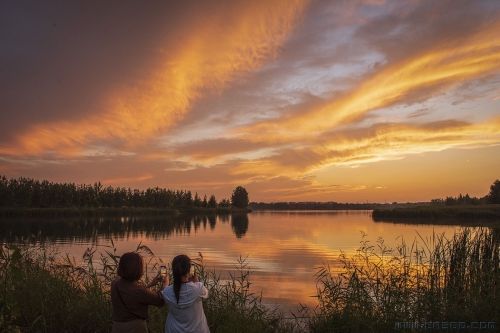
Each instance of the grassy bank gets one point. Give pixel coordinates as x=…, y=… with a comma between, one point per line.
x=489, y=212
x=431, y=280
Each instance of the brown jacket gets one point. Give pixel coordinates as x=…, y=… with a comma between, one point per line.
x=136, y=298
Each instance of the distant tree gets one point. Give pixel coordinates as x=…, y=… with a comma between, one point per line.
x=4, y=192
x=494, y=196
x=240, y=198
x=197, y=200
x=212, y=202
x=204, y=204
x=169, y=199
x=450, y=201
x=437, y=202
x=188, y=199
x=224, y=203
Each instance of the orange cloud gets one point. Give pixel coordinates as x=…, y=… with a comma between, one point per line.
x=216, y=52
x=381, y=142
x=433, y=72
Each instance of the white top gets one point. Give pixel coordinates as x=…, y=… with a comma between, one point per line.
x=188, y=315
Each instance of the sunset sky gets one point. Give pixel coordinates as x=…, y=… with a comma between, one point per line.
x=347, y=101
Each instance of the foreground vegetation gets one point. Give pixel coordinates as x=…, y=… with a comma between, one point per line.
x=44, y=292
x=431, y=280
x=434, y=280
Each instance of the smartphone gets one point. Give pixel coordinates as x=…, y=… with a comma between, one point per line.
x=191, y=271
x=163, y=271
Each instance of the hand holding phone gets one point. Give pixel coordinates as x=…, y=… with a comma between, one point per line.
x=163, y=271
x=191, y=271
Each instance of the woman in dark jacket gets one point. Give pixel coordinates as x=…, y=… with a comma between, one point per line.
x=129, y=298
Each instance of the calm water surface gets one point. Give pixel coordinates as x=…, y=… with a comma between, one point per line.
x=283, y=248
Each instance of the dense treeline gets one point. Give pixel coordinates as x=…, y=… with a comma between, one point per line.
x=462, y=207
x=493, y=197
x=31, y=193
x=476, y=214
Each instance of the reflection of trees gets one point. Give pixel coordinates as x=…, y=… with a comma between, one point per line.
x=239, y=223
x=224, y=218
x=90, y=229
x=211, y=221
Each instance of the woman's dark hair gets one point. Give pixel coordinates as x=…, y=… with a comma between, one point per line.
x=130, y=266
x=180, y=267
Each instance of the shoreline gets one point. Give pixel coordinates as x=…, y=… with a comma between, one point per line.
x=463, y=212
x=23, y=212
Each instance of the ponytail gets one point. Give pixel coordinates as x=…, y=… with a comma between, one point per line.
x=177, y=272
x=180, y=267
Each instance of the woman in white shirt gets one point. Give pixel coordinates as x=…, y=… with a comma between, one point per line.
x=184, y=299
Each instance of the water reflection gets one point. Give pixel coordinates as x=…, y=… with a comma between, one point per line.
x=284, y=248
x=87, y=230
x=239, y=223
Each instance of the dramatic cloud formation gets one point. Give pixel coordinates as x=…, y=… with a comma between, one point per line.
x=295, y=100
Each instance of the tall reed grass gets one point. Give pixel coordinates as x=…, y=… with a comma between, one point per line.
x=433, y=280
x=42, y=291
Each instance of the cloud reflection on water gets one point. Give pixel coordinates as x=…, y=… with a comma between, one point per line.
x=283, y=248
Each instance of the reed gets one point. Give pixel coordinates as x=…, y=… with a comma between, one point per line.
x=43, y=291
x=433, y=280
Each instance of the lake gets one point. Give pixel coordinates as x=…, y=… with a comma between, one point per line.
x=283, y=249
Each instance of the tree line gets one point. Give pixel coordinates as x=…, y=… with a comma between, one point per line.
x=30, y=193
x=493, y=197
